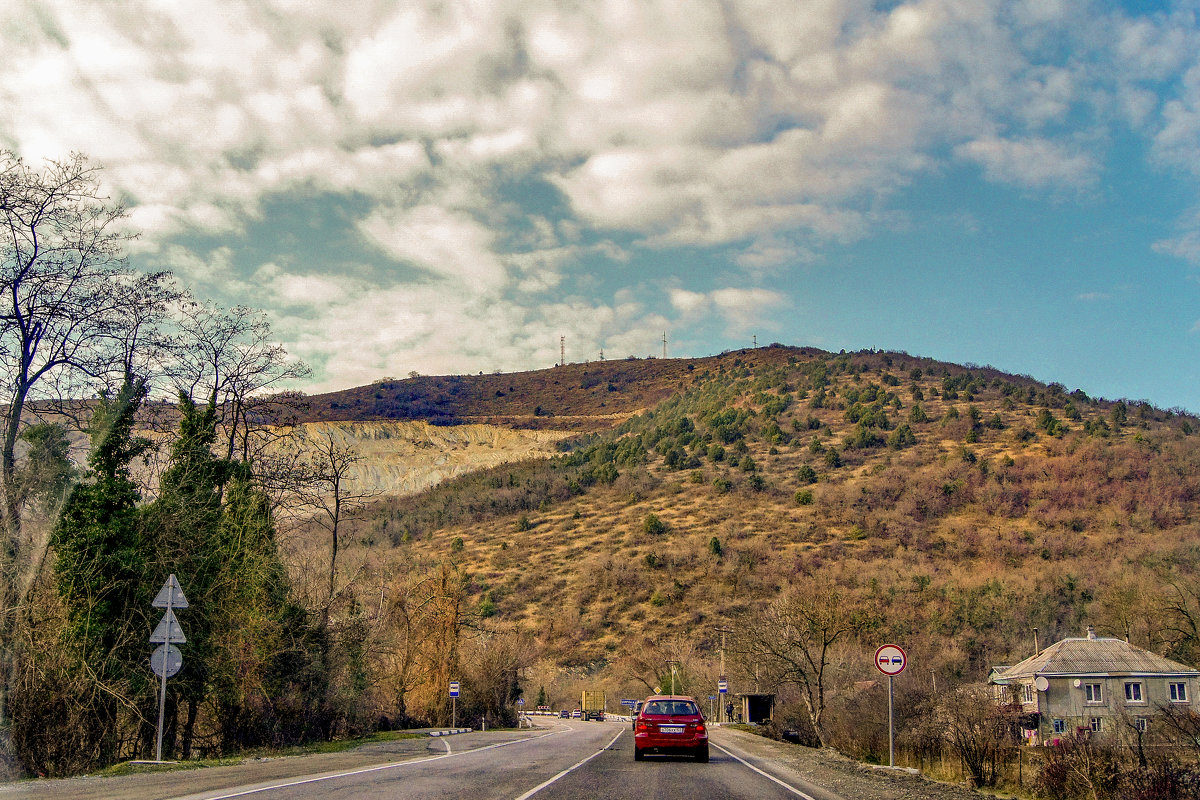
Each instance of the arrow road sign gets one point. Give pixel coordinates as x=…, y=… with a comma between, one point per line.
x=166, y=656
x=170, y=595
x=168, y=630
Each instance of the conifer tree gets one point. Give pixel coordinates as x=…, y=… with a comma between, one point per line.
x=100, y=568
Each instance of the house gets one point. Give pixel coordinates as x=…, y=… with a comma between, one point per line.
x=1093, y=686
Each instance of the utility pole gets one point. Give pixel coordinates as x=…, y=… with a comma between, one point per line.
x=721, y=694
x=672, y=665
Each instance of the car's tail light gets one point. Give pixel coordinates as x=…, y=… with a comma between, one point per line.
x=700, y=727
x=642, y=726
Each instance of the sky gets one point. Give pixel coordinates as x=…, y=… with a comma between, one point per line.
x=449, y=186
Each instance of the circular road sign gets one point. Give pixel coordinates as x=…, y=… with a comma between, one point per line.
x=891, y=659
x=166, y=656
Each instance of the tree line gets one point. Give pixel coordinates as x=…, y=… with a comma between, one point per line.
x=188, y=471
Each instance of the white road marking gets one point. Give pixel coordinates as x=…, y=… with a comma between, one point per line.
x=569, y=770
x=363, y=771
x=787, y=786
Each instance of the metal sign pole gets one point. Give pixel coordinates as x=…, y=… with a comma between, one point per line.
x=453, y=712
x=891, y=730
x=162, y=691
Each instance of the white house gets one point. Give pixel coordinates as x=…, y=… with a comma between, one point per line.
x=1092, y=685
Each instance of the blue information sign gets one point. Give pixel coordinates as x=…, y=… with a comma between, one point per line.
x=454, y=688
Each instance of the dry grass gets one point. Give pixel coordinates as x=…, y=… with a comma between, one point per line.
x=968, y=537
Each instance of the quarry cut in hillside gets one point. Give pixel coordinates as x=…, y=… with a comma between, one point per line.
x=406, y=457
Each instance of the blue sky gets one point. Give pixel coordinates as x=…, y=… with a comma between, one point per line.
x=450, y=186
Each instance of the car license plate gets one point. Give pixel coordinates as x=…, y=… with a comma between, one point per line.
x=670, y=729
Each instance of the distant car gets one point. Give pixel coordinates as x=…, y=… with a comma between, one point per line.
x=565, y=714
x=670, y=724
x=633, y=715
x=575, y=714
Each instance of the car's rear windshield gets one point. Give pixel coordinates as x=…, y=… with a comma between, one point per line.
x=671, y=707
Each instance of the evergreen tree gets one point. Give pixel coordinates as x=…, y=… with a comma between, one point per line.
x=100, y=568
x=186, y=521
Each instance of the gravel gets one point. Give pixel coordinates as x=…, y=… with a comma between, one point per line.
x=843, y=776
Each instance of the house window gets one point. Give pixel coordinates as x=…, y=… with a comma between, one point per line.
x=1092, y=693
x=1140, y=724
x=1133, y=693
x=1060, y=726
x=1027, y=693
x=1095, y=723
x=1178, y=692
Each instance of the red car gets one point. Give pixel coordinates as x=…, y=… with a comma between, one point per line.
x=670, y=724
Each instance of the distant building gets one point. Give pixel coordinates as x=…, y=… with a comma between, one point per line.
x=1092, y=686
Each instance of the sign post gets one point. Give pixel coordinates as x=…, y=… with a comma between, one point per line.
x=167, y=659
x=454, y=704
x=890, y=659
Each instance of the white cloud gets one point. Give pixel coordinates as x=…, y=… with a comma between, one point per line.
x=1033, y=163
x=451, y=245
x=741, y=310
x=1186, y=243
x=768, y=128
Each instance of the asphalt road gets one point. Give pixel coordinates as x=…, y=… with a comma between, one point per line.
x=569, y=760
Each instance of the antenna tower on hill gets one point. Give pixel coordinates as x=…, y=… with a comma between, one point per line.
x=664, y=344
x=562, y=351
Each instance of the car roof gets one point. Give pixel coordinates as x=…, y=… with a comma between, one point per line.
x=669, y=697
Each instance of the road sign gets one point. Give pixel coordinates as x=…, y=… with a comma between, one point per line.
x=170, y=595
x=521, y=701
x=629, y=703
x=166, y=660
x=454, y=688
x=891, y=659
x=168, y=657
x=168, y=630
x=722, y=685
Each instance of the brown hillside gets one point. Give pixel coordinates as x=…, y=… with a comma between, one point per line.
x=590, y=396
x=970, y=504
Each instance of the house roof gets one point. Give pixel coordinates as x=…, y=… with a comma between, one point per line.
x=1094, y=656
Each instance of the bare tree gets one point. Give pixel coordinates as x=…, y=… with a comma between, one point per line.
x=324, y=481
x=227, y=357
x=793, y=638
x=977, y=729
x=61, y=255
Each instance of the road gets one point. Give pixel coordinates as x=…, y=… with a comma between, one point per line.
x=567, y=760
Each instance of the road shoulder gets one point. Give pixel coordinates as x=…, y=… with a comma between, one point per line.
x=836, y=773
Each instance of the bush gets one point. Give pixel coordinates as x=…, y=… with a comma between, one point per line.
x=902, y=437
x=806, y=475
x=653, y=525
x=714, y=547
x=804, y=497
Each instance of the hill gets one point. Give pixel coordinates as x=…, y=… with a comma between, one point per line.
x=971, y=505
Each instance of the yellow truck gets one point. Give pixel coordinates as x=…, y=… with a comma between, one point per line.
x=591, y=705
